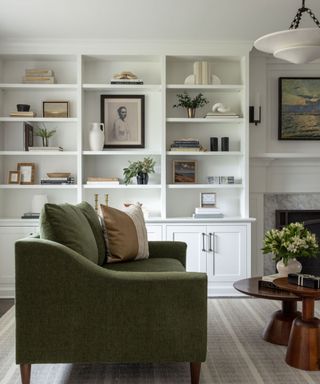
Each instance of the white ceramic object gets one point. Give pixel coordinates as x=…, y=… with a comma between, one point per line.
x=191, y=79
x=215, y=80
x=297, y=46
x=294, y=266
x=219, y=107
x=96, y=136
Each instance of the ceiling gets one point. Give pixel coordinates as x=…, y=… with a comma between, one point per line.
x=231, y=20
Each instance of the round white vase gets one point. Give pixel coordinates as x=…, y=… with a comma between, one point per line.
x=96, y=137
x=293, y=266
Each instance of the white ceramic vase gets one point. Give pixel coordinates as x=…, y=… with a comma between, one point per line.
x=293, y=266
x=96, y=137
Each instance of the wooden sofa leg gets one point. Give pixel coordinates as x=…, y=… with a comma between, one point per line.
x=25, y=371
x=195, y=372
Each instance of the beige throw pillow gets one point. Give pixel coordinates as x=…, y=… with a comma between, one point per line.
x=125, y=234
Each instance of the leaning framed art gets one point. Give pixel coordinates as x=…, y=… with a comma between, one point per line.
x=123, y=118
x=299, y=108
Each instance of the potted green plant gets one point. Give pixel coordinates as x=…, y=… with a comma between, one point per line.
x=45, y=135
x=140, y=170
x=288, y=243
x=190, y=104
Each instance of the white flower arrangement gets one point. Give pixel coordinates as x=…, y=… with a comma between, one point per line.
x=292, y=241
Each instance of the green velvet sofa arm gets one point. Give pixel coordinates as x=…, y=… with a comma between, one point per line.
x=70, y=310
x=170, y=249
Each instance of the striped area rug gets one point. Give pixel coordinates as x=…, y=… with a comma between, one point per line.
x=236, y=355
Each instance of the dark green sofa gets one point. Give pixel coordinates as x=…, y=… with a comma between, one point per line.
x=71, y=310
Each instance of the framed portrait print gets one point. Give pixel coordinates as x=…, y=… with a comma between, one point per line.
x=207, y=199
x=55, y=109
x=14, y=177
x=184, y=171
x=123, y=118
x=299, y=108
x=27, y=171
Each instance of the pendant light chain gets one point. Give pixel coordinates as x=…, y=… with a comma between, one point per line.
x=296, y=21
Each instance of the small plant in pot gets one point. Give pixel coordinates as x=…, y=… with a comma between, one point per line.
x=45, y=135
x=190, y=104
x=139, y=169
x=288, y=243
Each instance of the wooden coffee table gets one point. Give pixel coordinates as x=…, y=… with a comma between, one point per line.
x=304, y=343
x=277, y=331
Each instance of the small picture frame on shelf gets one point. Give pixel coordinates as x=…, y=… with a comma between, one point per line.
x=208, y=199
x=27, y=172
x=58, y=109
x=299, y=117
x=184, y=171
x=123, y=118
x=14, y=177
x=28, y=136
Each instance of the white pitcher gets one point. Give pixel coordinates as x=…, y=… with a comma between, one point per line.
x=96, y=136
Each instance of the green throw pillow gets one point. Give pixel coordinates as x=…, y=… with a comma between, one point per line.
x=96, y=228
x=67, y=225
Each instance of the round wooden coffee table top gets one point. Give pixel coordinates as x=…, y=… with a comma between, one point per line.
x=250, y=287
x=282, y=283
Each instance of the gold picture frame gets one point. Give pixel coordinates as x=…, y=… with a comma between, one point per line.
x=27, y=173
x=14, y=177
x=57, y=109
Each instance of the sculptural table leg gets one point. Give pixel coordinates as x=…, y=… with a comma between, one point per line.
x=25, y=371
x=277, y=331
x=304, y=343
x=195, y=372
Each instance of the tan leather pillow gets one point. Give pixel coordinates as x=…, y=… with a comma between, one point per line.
x=125, y=234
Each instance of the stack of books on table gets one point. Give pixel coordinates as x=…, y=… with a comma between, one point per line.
x=103, y=180
x=268, y=281
x=57, y=180
x=186, y=145
x=222, y=115
x=23, y=114
x=207, y=213
x=38, y=76
x=45, y=149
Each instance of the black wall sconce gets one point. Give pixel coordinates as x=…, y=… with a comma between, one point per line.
x=252, y=116
x=255, y=111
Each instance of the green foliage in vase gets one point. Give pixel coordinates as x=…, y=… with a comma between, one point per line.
x=137, y=167
x=45, y=135
x=185, y=101
x=292, y=241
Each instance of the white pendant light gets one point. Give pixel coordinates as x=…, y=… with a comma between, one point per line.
x=295, y=45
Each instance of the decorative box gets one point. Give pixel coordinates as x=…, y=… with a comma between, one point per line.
x=307, y=281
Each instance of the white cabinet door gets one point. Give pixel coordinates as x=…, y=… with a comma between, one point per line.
x=8, y=236
x=226, y=258
x=196, y=239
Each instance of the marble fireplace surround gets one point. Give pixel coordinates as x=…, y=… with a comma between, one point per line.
x=285, y=201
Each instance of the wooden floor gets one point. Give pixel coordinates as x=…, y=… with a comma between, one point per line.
x=5, y=305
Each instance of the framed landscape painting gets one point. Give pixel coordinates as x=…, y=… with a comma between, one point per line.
x=299, y=108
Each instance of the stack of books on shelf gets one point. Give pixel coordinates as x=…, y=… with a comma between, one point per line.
x=125, y=77
x=222, y=115
x=186, y=145
x=207, y=213
x=202, y=72
x=30, y=215
x=103, y=180
x=38, y=76
x=23, y=114
x=45, y=149
x=57, y=179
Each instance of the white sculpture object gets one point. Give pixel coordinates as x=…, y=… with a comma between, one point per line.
x=219, y=107
x=191, y=79
x=215, y=80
